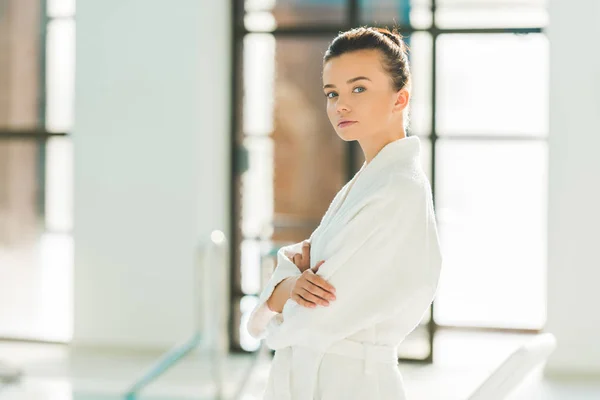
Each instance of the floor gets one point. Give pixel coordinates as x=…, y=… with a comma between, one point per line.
x=54, y=372
x=35, y=282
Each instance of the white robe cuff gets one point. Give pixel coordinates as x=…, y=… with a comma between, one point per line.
x=262, y=315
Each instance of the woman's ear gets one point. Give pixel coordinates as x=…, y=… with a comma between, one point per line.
x=402, y=99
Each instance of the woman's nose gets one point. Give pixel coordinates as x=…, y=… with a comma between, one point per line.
x=342, y=106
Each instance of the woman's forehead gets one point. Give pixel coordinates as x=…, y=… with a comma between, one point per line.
x=349, y=65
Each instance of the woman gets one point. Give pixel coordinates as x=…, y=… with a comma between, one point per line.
x=336, y=324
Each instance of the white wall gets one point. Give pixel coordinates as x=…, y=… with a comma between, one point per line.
x=151, y=143
x=574, y=188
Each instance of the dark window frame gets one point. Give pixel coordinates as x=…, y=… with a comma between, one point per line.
x=352, y=20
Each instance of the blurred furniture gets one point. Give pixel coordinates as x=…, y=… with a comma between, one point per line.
x=210, y=331
x=516, y=368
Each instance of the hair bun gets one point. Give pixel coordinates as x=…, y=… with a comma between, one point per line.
x=394, y=36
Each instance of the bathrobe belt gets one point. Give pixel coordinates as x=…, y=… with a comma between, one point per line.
x=306, y=361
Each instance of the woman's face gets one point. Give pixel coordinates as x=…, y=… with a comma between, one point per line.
x=358, y=90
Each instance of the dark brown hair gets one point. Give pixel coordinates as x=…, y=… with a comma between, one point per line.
x=390, y=44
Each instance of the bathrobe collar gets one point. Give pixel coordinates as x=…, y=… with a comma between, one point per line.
x=394, y=156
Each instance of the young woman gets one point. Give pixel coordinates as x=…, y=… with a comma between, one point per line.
x=336, y=324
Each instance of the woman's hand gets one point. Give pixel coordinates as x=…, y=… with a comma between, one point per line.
x=307, y=290
x=302, y=260
x=310, y=289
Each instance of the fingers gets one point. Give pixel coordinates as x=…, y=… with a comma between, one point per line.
x=302, y=301
x=311, y=290
x=315, y=269
x=319, y=292
x=314, y=298
x=306, y=252
x=297, y=259
x=311, y=296
x=318, y=280
x=302, y=260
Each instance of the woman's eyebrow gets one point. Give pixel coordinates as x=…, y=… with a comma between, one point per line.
x=358, y=78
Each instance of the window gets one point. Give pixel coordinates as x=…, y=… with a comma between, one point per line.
x=36, y=113
x=479, y=106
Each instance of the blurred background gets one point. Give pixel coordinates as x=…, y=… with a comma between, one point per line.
x=155, y=154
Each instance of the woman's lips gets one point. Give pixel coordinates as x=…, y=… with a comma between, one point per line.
x=346, y=123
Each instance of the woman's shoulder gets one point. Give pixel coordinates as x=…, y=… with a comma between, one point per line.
x=404, y=187
x=392, y=185
x=408, y=180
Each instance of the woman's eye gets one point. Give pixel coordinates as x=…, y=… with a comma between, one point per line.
x=330, y=95
x=362, y=89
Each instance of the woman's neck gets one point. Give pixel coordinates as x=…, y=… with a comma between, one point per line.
x=373, y=146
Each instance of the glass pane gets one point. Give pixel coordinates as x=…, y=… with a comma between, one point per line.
x=35, y=267
x=493, y=84
x=259, y=77
x=309, y=162
x=266, y=15
x=61, y=8
x=59, y=185
x=257, y=188
x=416, y=13
x=491, y=13
x=19, y=65
x=247, y=342
x=60, y=78
x=251, y=262
x=491, y=17
x=491, y=208
x=19, y=192
x=420, y=59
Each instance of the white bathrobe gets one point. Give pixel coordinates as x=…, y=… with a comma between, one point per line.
x=380, y=244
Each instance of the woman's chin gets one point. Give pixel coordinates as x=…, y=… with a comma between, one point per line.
x=346, y=136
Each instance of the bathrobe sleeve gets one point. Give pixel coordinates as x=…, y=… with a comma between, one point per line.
x=262, y=314
x=387, y=264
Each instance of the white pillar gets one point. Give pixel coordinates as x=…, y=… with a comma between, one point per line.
x=574, y=188
x=151, y=143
